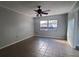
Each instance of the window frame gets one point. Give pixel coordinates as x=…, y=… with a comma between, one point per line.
x=49, y=28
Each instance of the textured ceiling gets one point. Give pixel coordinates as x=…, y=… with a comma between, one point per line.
x=27, y=7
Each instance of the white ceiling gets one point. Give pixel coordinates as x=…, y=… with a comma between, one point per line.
x=26, y=7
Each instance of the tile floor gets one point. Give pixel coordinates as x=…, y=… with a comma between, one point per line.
x=40, y=47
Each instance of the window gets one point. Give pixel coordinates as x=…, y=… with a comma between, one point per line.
x=48, y=24
x=43, y=25
x=52, y=24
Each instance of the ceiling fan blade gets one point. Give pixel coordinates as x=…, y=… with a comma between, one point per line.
x=44, y=13
x=46, y=10
x=35, y=10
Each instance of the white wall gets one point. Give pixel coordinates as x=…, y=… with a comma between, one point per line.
x=60, y=32
x=78, y=30
x=72, y=31
x=77, y=9
x=14, y=27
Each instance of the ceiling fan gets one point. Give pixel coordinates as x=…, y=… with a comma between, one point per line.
x=40, y=12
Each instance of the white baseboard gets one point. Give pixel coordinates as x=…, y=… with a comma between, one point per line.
x=72, y=46
x=16, y=41
x=50, y=37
